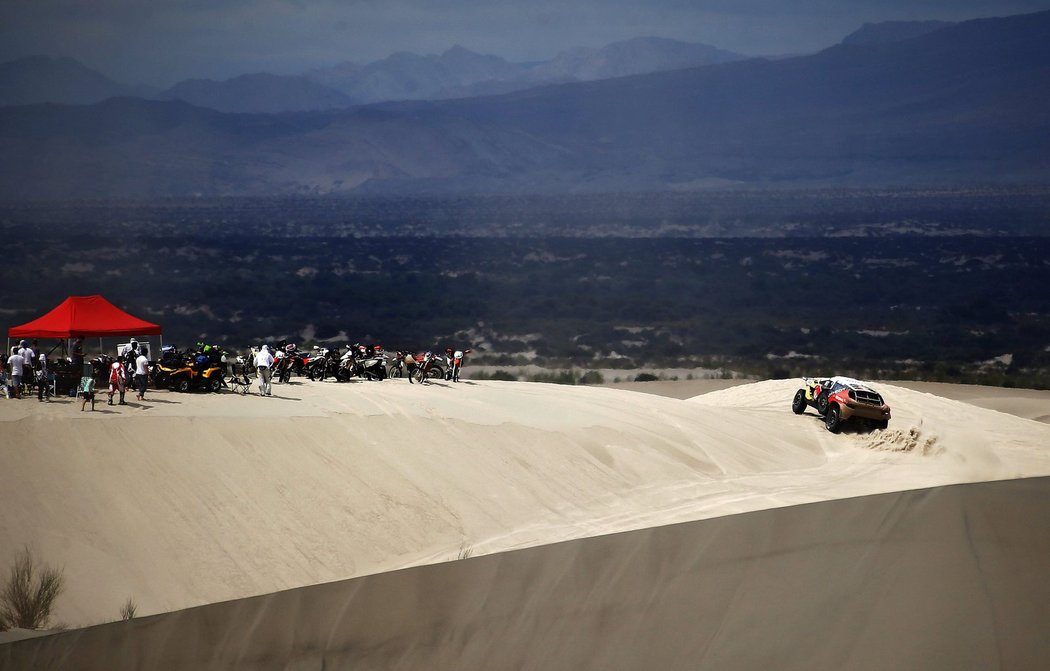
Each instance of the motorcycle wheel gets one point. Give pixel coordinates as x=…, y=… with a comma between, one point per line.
x=394, y=371
x=437, y=372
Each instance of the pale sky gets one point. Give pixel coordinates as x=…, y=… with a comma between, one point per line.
x=160, y=42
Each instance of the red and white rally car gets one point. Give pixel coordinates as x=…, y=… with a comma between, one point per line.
x=839, y=399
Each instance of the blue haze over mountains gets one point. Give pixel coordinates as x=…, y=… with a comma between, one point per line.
x=895, y=104
x=458, y=72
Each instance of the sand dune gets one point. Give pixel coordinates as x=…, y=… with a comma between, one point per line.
x=944, y=579
x=189, y=500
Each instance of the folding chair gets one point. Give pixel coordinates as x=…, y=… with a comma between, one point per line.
x=239, y=382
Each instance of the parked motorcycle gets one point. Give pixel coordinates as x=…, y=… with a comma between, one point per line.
x=371, y=361
x=321, y=363
x=426, y=368
x=454, y=362
x=404, y=364
x=283, y=365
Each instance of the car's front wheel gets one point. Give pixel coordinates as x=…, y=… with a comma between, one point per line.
x=832, y=420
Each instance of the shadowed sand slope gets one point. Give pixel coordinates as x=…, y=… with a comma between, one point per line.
x=194, y=499
x=949, y=578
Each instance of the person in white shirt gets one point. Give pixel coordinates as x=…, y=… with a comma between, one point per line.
x=141, y=376
x=28, y=359
x=17, y=364
x=264, y=363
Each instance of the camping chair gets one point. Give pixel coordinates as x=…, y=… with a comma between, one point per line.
x=239, y=382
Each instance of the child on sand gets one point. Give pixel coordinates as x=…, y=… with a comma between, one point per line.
x=88, y=396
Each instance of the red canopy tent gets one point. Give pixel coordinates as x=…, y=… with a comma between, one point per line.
x=86, y=316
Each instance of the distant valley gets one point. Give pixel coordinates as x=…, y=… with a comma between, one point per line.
x=887, y=285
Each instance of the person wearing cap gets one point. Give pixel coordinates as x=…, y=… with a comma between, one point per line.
x=264, y=363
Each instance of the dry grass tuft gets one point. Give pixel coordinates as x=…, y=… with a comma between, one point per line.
x=29, y=593
x=128, y=610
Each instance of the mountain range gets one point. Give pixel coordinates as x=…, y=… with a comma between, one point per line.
x=39, y=79
x=967, y=103
x=458, y=72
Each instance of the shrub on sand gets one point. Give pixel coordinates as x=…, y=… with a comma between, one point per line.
x=128, y=610
x=29, y=593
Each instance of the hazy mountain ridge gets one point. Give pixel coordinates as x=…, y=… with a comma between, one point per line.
x=265, y=93
x=964, y=104
x=630, y=57
x=458, y=72
x=37, y=79
x=893, y=31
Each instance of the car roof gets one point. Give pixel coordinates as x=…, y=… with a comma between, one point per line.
x=851, y=382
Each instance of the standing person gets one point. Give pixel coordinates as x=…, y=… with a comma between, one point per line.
x=42, y=388
x=264, y=363
x=87, y=389
x=77, y=355
x=17, y=364
x=129, y=353
x=117, y=378
x=141, y=375
x=28, y=360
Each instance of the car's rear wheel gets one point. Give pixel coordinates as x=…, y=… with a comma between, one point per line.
x=832, y=421
x=822, y=403
x=881, y=423
x=798, y=404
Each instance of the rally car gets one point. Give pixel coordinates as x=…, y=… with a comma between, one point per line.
x=840, y=399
